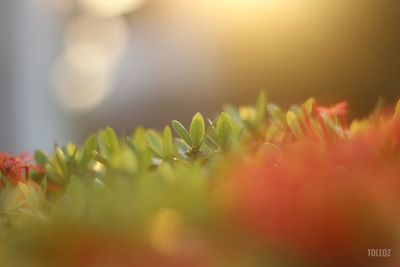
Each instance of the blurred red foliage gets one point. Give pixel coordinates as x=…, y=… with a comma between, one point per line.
x=16, y=168
x=327, y=201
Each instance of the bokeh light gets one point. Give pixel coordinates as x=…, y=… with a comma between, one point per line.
x=84, y=73
x=108, y=35
x=110, y=8
x=79, y=91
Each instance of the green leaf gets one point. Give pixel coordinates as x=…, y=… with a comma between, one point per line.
x=60, y=159
x=41, y=158
x=261, y=107
x=212, y=130
x=276, y=114
x=70, y=150
x=249, y=115
x=197, y=130
x=145, y=159
x=128, y=161
x=210, y=142
x=181, y=145
x=168, y=144
x=224, y=130
x=88, y=152
x=139, y=139
x=155, y=142
x=292, y=122
x=108, y=143
x=309, y=105
x=182, y=132
x=234, y=113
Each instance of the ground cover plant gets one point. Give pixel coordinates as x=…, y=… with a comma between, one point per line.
x=254, y=186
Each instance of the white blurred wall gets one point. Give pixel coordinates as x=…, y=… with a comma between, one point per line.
x=29, y=38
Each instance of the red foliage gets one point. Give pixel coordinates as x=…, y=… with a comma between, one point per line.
x=339, y=109
x=325, y=201
x=16, y=168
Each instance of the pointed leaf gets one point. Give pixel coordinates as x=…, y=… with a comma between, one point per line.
x=88, y=152
x=276, y=114
x=145, y=159
x=234, y=113
x=181, y=146
x=248, y=114
x=310, y=105
x=139, y=139
x=261, y=107
x=41, y=158
x=168, y=144
x=108, y=143
x=224, y=130
x=155, y=142
x=181, y=132
x=60, y=159
x=292, y=122
x=70, y=150
x=197, y=130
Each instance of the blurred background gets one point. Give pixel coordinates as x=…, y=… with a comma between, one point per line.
x=70, y=67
